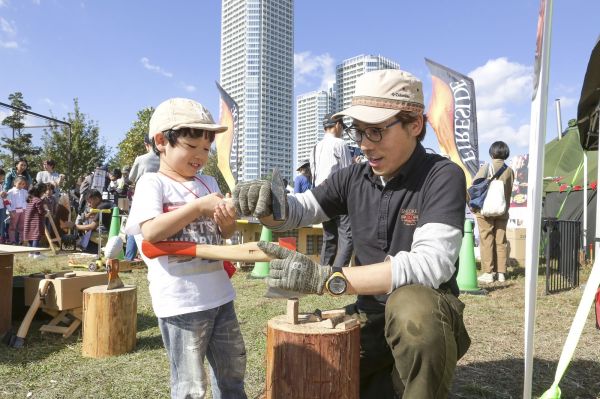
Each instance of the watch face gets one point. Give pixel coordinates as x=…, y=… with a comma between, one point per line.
x=337, y=285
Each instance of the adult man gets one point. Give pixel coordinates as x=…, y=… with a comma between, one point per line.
x=149, y=162
x=407, y=212
x=330, y=155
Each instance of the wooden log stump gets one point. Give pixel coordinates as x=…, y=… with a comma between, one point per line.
x=109, y=321
x=308, y=360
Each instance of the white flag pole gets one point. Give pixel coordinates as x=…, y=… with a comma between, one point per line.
x=537, y=139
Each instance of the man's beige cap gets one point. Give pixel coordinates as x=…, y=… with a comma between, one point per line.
x=381, y=94
x=177, y=113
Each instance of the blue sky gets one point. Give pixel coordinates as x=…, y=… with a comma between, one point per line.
x=118, y=57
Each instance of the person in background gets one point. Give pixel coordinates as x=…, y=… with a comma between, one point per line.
x=3, y=228
x=92, y=220
x=493, y=245
x=303, y=181
x=17, y=197
x=20, y=170
x=34, y=218
x=328, y=156
x=149, y=162
x=49, y=175
x=50, y=198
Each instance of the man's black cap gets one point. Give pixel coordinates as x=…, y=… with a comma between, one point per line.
x=329, y=121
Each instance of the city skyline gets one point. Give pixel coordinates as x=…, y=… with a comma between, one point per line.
x=119, y=57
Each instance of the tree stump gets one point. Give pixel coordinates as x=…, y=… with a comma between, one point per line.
x=310, y=361
x=109, y=321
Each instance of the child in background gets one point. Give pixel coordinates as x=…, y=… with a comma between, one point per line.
x=17, y=196
x=2, y=207
x=192, y=297
x=34, y=218
x=50, y=198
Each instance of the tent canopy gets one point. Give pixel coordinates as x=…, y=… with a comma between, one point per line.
x=563, y=163
x=587, y=115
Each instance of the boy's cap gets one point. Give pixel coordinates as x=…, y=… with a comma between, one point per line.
x=177, y=113
x=329, y=120
x=303, y=164
x=381, y=94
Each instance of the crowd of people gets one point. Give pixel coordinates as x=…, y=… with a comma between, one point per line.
x=27, y=204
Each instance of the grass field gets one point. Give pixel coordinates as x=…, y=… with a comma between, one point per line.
x=52, y=367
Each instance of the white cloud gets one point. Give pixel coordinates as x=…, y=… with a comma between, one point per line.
x=9, y=44
x=48, y=102
x=503, y=91
x=187, y=87
x=7, y=27
x=3, y=3
x=37, y=2
x=500, y=81
x=309, y=67
x=155, y=68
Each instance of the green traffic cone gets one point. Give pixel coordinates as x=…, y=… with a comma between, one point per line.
x=467, y=270
x=261, y=269
x=115, y=228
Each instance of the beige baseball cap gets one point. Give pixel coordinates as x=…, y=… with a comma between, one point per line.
x=381, y=94
x=177, y=113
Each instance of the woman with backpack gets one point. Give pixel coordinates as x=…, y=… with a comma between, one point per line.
x=493, y=246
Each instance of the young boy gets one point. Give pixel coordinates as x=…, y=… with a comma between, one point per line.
x=192, y=297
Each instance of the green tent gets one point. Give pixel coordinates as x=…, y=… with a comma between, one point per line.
x=563, y=163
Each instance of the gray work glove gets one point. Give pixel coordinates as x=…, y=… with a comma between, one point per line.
x=293, y=271
x=253, y=198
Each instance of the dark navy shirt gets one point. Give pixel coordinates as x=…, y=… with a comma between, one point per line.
x=427, y=189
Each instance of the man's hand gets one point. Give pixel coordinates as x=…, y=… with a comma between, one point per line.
x=253, y=198
x=294, y=271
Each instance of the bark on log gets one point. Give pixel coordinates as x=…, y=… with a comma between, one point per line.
x=109, y=321
x=309, y=361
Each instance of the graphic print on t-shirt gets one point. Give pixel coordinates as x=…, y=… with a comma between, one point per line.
x=201, y=231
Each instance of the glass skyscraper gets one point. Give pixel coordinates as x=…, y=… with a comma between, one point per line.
x=257, y=70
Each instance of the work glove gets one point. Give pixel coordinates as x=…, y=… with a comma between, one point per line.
x=293, y=271
x=253, y=198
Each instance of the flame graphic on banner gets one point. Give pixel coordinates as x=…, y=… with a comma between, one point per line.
x=224, y=141
x=452, y=116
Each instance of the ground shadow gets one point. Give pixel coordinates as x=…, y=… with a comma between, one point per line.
x=504, y=379
x=145, y=322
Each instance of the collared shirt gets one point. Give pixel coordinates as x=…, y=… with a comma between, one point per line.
x=428, y=189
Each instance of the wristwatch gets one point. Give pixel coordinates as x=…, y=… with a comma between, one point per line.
x=336, y=283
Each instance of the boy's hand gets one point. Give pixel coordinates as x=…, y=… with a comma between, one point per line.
x=294, y=271
x=225, y=216
x=208, y=203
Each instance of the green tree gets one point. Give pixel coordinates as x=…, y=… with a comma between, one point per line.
x=133, y=144
x=19, y=145
x=211, y=169
x=78, y=155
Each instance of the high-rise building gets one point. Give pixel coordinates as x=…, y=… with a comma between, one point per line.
x=311, y=108
x=257, y=70
x=349, y=70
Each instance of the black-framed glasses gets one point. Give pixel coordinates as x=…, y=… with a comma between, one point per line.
x=374, y=134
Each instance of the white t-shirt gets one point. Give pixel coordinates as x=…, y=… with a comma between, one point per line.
x=180, y=284
x=47, y=177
